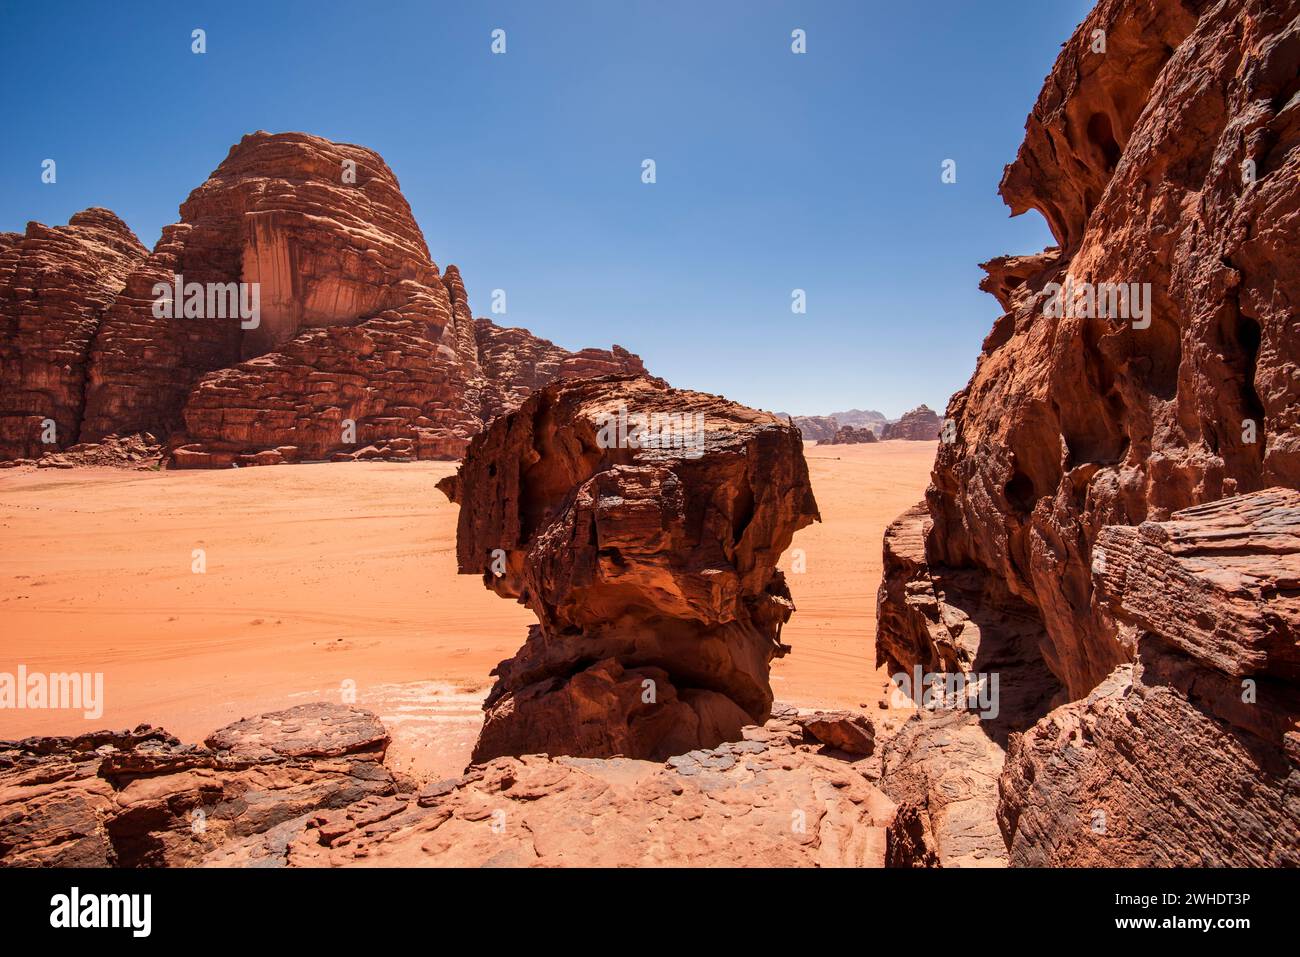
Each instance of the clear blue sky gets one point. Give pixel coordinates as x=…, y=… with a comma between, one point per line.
x=775, y=171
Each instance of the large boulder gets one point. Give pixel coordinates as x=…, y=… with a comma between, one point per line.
x=642, y=525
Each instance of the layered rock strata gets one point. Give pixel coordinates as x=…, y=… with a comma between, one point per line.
x=142, y=799
x=1190, y=755
x=642, y=525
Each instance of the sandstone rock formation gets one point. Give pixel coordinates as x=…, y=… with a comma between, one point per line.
x=55, y=284
x=813, y=428
x=359, y=348
x=767, y=800
x=307, y=788
x=822, y=428
x=862, y=419
x=845, y=731
x=142, y=799
x=941, y=769
x=1191, y=755
x=922, y=424
x=1169, y=162
x=642, y=525
x=848, y=435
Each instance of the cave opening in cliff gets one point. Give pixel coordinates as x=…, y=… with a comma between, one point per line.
x=1102, y=136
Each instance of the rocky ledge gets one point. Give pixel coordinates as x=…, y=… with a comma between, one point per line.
x=307, y=787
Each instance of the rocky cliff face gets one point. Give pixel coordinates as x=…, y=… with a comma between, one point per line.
x=642, y=525
x=1162, y=152
x=359, y=346
x=922, y=424
x=55, y=285
x=1190, y=756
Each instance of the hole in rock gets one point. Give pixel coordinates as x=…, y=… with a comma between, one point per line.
x=1102, y=136
x=1020, y=492
x=1248, y=335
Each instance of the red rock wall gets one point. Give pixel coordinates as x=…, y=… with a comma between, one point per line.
x=1189, y=756
x=1169, y=159
x=1135, y=158
x=55, y=284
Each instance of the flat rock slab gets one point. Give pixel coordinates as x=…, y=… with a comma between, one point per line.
x=319, y=730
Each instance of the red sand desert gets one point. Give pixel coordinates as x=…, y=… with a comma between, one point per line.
x=319, y=575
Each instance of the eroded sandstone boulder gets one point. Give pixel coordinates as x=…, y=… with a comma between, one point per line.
x=642, y=525
x=941, y=769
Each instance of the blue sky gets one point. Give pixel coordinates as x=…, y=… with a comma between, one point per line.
x=775, y=171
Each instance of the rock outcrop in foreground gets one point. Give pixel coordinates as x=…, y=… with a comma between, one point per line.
x=922, y=424
x=642, y=525
x=1076, y=521
x=353, y=343
x=142, y=799
x=307, y=787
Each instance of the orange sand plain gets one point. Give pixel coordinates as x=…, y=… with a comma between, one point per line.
x=319, y=575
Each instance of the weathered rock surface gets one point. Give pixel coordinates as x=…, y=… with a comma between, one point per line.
x=848, y=435
x=307, y=788
x=1191, y=755
x=941, y=769
x=1169, y=161
x=767, y=800
x=922, y=424
x=650, y=564
x=55, y=284
x=360, y=347
x=141, y=798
